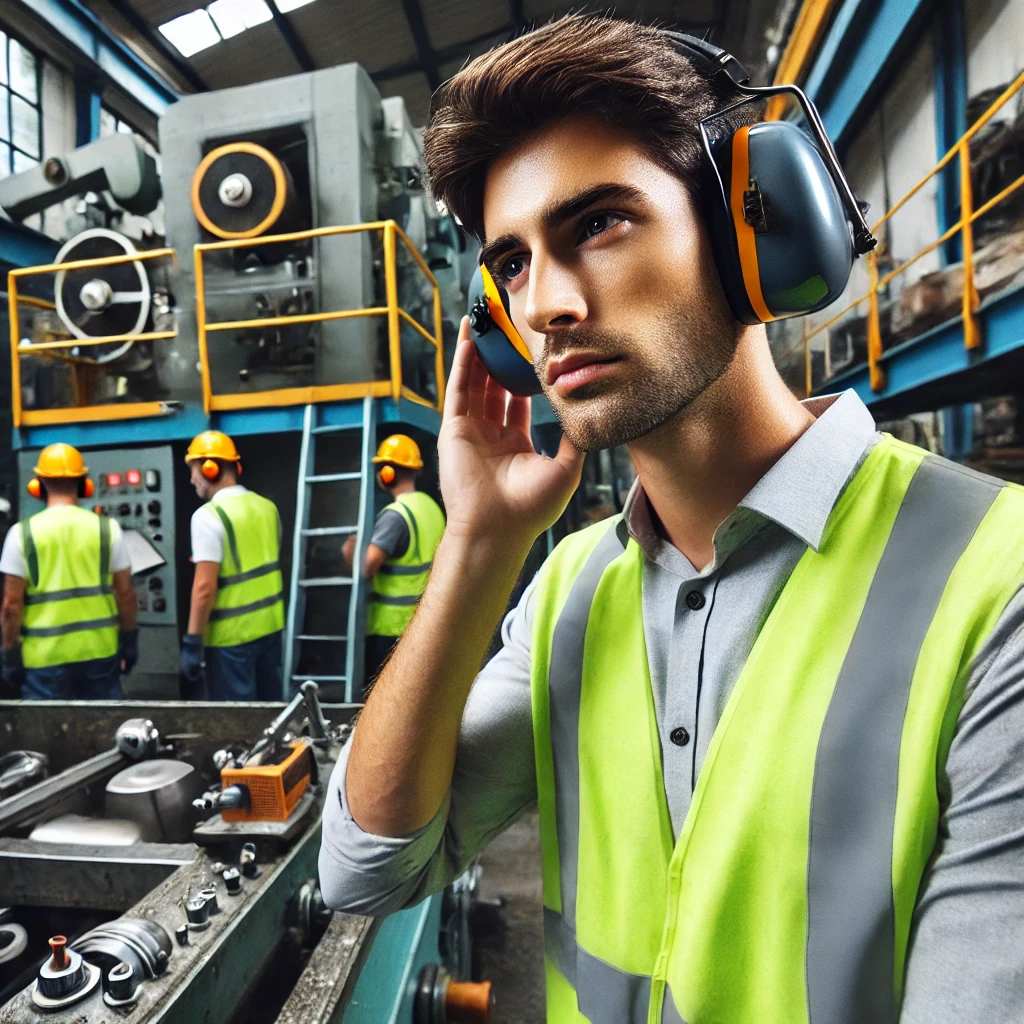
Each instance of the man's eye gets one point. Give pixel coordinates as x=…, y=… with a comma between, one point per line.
x=596, y=223
x=512, y=268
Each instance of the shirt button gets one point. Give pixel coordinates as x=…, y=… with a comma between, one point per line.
x=680, y=737
x=694, y=600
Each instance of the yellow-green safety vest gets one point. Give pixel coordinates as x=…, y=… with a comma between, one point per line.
x=399, y=583
x=249, y=601
x=788, y=896
x=70, y=611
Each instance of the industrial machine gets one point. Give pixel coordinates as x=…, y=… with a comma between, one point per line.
x=133, y=895
x=284, y=275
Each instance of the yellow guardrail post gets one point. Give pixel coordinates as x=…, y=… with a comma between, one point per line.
x=391, y=292
x=15, y=330
x=877, y=374
x=972, y=330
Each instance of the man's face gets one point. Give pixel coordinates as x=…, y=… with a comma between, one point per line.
x=199, y=482
x=611, y=280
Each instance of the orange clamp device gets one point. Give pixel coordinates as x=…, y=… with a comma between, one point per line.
x=274, y=789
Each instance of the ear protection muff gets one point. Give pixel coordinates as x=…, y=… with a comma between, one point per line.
x=210, y=469
x=35, y=487
x=499, y=344
x=784, y=224
x=387, y=475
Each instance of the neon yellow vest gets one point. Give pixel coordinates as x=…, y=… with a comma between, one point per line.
x=70, y=611
x=788, y=896
x=400, y=582
x=249, y=601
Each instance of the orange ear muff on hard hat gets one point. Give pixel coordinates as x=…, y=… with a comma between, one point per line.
x=210, y=469
x=387, y=474
x=86, y=489
x=35, y=488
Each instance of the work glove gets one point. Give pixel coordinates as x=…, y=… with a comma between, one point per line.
x=12, y=672
x=190, y=663
x=128, y=649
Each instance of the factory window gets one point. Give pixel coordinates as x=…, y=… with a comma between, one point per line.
x=222, y=19
x=20, y=117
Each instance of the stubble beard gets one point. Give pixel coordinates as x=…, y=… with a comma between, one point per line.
x=683, y=356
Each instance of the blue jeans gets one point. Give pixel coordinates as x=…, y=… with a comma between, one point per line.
x=99, y=679
x=249, y=671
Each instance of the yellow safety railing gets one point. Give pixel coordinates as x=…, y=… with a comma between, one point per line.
x=326, y=392
x=968, y=215
x=39, y=417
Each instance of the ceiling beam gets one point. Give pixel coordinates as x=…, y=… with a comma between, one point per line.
x=441, y=56
x=156, y=40
x=291, y=38
x=517, y=15
x=418, y=28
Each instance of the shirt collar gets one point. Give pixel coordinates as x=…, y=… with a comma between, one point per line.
x=801, y=489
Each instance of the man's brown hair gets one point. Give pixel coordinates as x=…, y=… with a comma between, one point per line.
x=628, y=75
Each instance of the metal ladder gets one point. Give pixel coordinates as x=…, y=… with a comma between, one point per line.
x=300, y=585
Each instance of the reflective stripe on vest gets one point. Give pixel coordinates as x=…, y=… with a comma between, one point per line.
x=931, y=517
x=70, y=611
x=250, y=598
x=398, y=585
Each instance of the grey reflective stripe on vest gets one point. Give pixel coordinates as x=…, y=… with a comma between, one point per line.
x=604, y=994
x=404, y=599
x=669, y=1013
x=243, y=609
x=253, y=574
x=46, y=596
x=851, y=918
x=69, y=627
x=404, y=570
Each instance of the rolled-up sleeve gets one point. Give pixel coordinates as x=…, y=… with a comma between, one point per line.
x=493, y=782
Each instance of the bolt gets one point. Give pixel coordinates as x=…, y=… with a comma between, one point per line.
x=210, y=896
x=247, y=860
x=60, y=956
x=181, y=934
x=232, y=881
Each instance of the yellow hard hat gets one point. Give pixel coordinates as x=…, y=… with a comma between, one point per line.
x=212, y=444
x=400, y=450
x=60, y=460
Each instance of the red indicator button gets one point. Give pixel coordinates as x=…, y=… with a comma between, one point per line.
x=113, y=479
x=134, y=477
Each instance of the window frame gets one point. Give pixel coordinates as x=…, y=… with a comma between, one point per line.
x=8, y=98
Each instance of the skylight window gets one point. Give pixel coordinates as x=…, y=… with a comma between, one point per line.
x=191, y=32
x=234, y=16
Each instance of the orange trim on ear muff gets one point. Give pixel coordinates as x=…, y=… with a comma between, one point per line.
x=746, y=240
x=88, y=488
x=35, y=488
x=387, y=474
x=500, y=316
x=210, y=469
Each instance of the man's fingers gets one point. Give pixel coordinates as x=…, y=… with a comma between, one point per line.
x=456, y=398
x=570, y=457
x=477, y=385
x=518, y=413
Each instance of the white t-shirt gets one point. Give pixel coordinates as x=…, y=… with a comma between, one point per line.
x=208, y=530
x=12, y=558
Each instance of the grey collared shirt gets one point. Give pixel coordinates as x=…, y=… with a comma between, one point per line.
x=965, y=956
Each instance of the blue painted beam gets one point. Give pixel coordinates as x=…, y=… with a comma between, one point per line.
x=88, y=103
x=856, y=57
x=940, y=354
x=93, y=40
x=950, y=113
x=22, y=247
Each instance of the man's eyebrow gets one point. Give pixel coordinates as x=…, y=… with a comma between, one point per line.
x=566, y=209
x=559, y=213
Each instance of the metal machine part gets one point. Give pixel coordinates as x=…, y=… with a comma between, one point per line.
x=308, y=914
x=116, y=164
x=13, y=938
x=230, y=798
x=442, y=1000
x=137, y=738
x=181, y=934
x=139, y=942
x=158, y=795
x=198, y=914
x=21, y=768
x=232, y=881
x=275, y=732
x=209, y=894
x=121, y=985
x=247, y=861
x=77, y=829
x=63, y=979
x=95, y=302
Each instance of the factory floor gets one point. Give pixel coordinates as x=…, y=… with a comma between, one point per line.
x=514, y=961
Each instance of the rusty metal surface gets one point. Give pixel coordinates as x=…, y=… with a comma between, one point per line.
x=75, y=875
x=326, y=984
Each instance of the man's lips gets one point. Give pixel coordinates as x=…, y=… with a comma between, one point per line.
x=576, y=368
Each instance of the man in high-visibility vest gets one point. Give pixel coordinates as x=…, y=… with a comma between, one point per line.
x=401, y=550
x=237, y=609
x=69, y=615
x=772, y=715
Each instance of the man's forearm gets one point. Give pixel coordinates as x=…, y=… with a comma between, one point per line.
x=127, y=603
x=403, y=751
x=204, y=597
x=10, y=624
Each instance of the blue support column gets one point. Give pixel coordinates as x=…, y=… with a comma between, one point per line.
x=88, y=90
x=958, y=431
x=950, y=112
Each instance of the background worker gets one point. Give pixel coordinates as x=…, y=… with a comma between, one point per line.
x=69, y=614
x=401, y=550
x=237, y=609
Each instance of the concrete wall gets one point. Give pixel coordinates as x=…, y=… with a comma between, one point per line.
x=994, y=32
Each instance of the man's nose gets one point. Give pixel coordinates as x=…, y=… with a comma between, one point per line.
x=554, y=299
